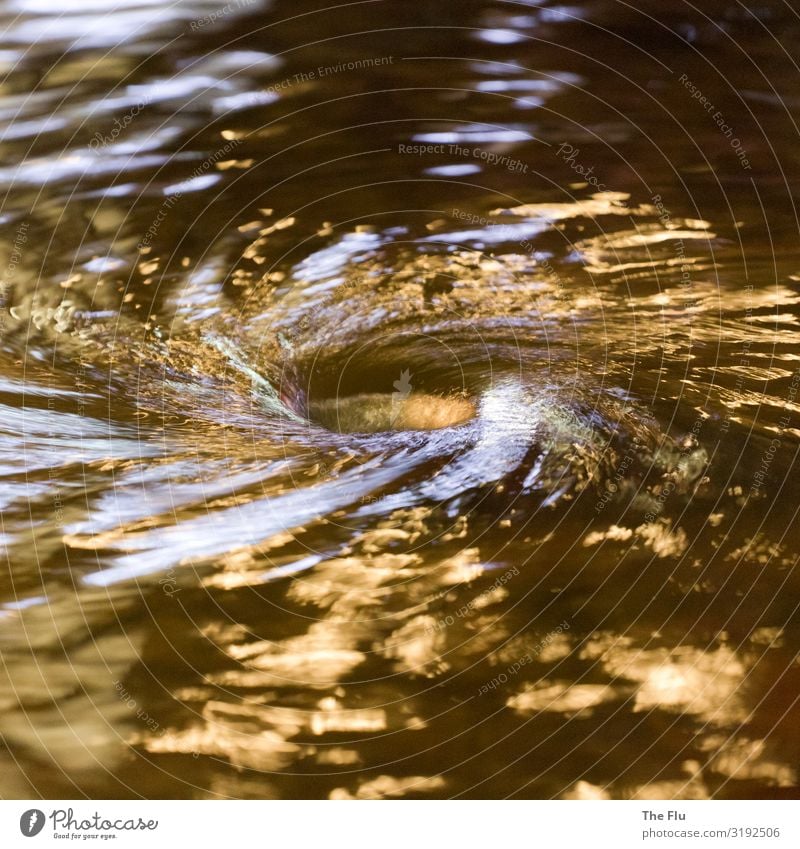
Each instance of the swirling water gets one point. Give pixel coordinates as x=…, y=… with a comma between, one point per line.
x=220, y=222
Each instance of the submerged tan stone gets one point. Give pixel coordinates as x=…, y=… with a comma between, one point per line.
x=375, y=412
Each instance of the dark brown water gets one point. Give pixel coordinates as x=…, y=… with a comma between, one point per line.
x=579, y=221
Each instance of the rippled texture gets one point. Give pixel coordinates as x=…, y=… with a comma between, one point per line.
x=399, y=402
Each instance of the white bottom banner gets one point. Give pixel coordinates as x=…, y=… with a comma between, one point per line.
x=398, y=825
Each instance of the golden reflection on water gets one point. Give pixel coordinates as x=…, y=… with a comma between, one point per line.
x=332, y=470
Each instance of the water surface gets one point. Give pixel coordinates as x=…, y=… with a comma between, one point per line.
x=573, y=224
